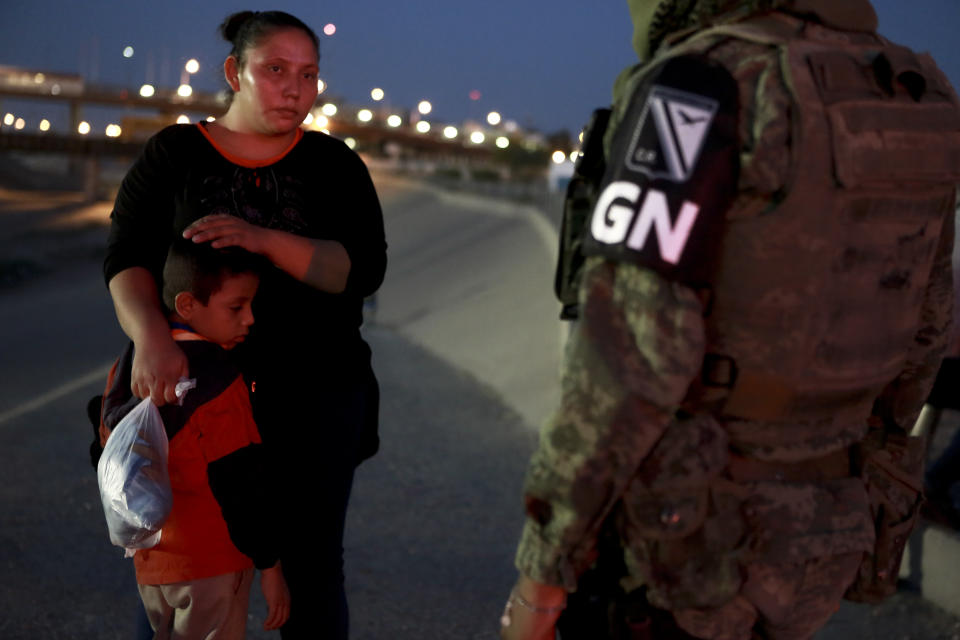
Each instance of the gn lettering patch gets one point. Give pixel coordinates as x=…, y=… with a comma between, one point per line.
x=672, y=171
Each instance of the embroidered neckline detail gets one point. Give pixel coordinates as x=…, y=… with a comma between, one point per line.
x=247, y=162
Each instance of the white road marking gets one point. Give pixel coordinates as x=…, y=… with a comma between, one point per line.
x=97, y=375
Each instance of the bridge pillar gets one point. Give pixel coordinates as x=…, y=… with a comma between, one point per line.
x=91, y=178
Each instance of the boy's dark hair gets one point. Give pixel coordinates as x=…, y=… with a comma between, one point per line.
x=200, y=269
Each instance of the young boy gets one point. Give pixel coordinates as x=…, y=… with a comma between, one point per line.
x=196, y=580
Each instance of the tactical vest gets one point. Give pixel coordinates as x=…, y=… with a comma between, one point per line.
x=817, y=298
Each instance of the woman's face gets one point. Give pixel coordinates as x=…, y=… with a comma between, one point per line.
x=277, y=84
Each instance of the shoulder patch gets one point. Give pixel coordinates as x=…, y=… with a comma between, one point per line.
x=672, y=171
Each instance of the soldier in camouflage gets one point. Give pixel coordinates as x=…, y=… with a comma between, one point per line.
x=763, y=305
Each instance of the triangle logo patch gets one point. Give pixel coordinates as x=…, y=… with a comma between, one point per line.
x=670, y=133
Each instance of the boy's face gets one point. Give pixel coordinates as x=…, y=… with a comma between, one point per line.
x=227, y=316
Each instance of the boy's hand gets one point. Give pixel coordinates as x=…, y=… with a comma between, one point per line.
x=277, y=595
x=157, y=366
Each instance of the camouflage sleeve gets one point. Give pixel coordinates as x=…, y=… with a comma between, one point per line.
x=628, y=364
x=900, y=402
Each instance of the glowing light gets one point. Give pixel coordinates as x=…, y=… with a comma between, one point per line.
x=329, y=109
x=322, y=122
x=39, y=78
x=424, y=107
x=55, y=90
x=192, y=66
x=493, y=118
x=350, y=142
x=558, y=157
x=394, y=121
x=477, y=137
x=147, y=91
x=511, y=126
x=19, y=124
x=184, y=91
x=83, y=128
x=128, y=52
x=183, y=119
x=423, y=126
x=377, y=94
x=8, y=119
x=44, y=125
x=329, y=29
x=308, y=119
x=211, y=119
x=580, y=137
x=450, y=132
x=364, y=115
x=321, y=86
x=502, y=142
x=113, y=131
x=574, y=155
x=475, y=95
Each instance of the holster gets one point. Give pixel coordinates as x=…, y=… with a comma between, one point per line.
x=891, y=466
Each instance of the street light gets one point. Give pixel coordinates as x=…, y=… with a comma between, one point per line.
x=493, y=118
x=423, y=126
x=8, y=119
x=128, y=52
x=377, y=94
x=44, y=125
x=394, y=121
x=183, y=119
x=83, y=128
x=558, y=157
x=502, y=142
x=185, y=91
x=19, y=124
x=477, y=137
x=364, y=115
x=321, y=86
x=329, y=109
x=450, y=132
x=424, y=107
x=192, y=66
x=147, y=91
x=113, y=131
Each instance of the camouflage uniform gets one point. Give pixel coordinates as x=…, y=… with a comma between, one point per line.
x=735, y=503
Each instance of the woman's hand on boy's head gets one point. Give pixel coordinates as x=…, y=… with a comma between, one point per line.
x=224, y=230
x=157, y=367
x=277, y=595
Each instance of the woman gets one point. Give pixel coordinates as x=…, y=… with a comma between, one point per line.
x=254, y=179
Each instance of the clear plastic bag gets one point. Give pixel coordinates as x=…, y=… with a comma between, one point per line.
x=134, y=483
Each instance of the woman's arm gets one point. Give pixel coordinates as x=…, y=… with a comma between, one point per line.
x=323, y=264
x=158, y=363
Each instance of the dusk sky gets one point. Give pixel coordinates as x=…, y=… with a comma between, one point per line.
x=543, y=64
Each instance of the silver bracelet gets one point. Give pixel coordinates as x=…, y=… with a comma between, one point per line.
x=506, y=618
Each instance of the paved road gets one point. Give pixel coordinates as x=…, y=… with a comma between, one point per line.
x=467, y=370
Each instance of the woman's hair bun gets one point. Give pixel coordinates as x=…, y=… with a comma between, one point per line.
x=231, y=26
